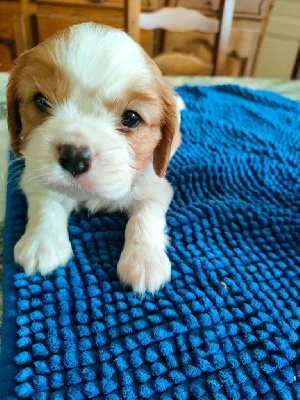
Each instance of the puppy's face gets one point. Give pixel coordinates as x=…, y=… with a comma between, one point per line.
x=87, y=109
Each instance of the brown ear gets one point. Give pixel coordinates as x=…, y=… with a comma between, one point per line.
x=13, y=115
x=169, y=127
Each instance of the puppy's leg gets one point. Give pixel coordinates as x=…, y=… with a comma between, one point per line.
x=45, y=244
x=144, y=264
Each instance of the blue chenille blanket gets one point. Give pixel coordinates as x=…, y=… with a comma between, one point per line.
x=227, y=326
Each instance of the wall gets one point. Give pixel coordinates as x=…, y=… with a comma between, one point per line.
x=281, y=42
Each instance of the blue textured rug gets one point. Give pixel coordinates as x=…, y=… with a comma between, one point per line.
x=227, y=326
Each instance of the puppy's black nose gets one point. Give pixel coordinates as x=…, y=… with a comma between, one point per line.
x=76, y=160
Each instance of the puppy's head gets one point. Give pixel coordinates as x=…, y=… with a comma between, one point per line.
x=88, y=109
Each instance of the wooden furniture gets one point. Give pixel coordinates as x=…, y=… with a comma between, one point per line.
x=25, y=23
x=183, y=20
x=250, y=20
x=296, y=69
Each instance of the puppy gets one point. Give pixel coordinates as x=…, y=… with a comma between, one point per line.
x=93, y=119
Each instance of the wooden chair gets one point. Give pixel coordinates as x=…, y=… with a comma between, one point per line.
x=179, y=19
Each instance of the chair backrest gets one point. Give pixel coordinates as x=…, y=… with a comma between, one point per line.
x=179, y=19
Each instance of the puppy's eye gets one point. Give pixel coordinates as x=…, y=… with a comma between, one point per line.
x=130, y=119
x=41, y=102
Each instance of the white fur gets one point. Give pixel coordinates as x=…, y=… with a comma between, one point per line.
x=111, y=173
x=143, y=263
x=101, y=58
x=100, y=64
x=45, y=244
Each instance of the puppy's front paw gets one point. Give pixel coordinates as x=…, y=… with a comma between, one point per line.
x=144, y=268
x=42, y=251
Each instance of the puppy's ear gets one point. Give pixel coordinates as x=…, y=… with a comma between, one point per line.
x=13, y=114
x=169, y=127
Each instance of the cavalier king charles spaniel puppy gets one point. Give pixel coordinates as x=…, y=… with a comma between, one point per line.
x=93, y=119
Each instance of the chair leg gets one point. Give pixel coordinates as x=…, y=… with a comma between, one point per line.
x=132, y=16
x=226, y=12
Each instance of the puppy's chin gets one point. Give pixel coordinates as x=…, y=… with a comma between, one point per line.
x=88, y=186
x=109, y=177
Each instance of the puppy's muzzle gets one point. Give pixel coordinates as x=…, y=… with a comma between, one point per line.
x=75, y=160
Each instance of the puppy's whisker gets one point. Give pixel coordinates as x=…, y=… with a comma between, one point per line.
x=37, y=179
x=15, y=179
x=10, y=169
x=16, y=176
x=15, y=188
x=15, y=160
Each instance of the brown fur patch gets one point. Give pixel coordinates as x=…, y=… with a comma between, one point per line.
x=153, y=100
x=13, y=114
x=143, y=140
x=169, y=121
x=34, y=71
